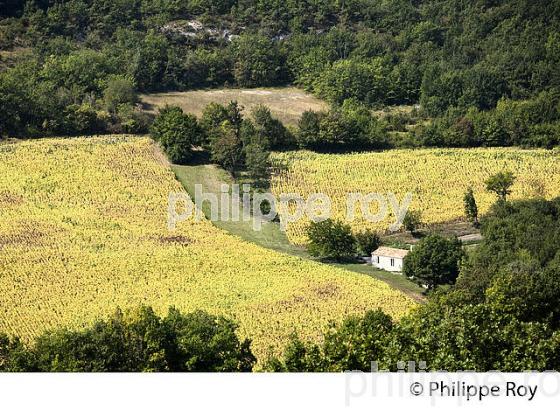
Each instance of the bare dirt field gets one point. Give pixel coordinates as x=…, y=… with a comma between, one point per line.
x=286, y=103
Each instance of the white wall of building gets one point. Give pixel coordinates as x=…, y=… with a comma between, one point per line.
x=384, y=262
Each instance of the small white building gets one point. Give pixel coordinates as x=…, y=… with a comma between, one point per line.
x=389, y=259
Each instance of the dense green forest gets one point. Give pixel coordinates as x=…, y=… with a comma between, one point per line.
x=487, y=70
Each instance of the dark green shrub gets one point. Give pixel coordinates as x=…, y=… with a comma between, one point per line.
x=331, y=240
x=178, y=133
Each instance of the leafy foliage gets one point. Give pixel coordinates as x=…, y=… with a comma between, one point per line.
x=309, y=127
x=412, y=221
x=367, y=241
x=330, y=239
x=139, y=341
x=235, y=141
x=257, y=61
x=257, y=161
x=434, y=261
x=269, y=132
x=119, y=90
x=226, y=147
x=349, y=127
x=177, y=132
x=471, y=209
x=353, y=79
x=352, y=345
x=456, y=65
x=500, y=184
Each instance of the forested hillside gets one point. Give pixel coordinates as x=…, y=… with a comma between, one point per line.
x=456, y=58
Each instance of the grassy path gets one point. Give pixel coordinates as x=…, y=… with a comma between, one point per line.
x=271, y=236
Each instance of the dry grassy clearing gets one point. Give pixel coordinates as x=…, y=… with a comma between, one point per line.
x=84, y=230
x=287, y=104
x=437, y=178
x=8, y=58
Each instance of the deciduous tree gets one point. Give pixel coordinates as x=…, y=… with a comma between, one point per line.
x=500, y=184
x=434, y=261
x=330, y=239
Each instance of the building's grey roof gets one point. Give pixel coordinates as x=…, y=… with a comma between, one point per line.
x=390, y=252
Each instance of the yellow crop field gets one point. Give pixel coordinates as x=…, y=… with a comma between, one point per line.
x=437, y=179
x=83, y=230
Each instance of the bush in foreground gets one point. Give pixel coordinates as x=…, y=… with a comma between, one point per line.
x=137, y=342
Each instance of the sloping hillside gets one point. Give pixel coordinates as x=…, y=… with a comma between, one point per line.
x=84, y=230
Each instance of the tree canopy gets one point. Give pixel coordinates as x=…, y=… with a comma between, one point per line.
x=451, y=58
x=434, y=261
x=135, y=341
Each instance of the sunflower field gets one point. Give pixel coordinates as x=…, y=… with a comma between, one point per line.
x=83, y=230
x=436, y=178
